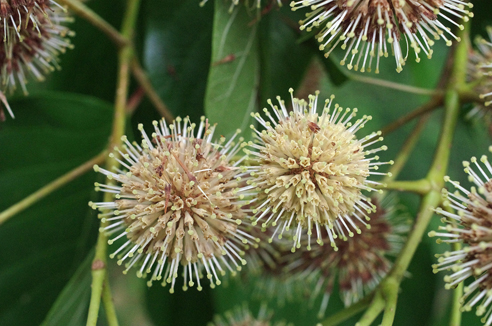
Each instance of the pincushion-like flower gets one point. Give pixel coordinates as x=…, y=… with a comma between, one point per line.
x=17, y=14
x=370, y=29
x=33, y=37
x=176, y=204
x=470, y=224
x=360, y=262
x=311, y=170
x=480, y=73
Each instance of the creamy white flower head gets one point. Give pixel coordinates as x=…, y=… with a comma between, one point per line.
x=480, y=74
x=311, y=170
x=176, y=204
x=370, y=29
x=32, y=51
x=470, y=224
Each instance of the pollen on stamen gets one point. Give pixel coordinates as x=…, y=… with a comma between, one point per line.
x=468, y=222
x=34, y=35
x=178, y=207
x=370, y=29
x=311, y=170
x=479, y=74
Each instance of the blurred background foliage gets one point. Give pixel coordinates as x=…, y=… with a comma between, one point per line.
x=200, y=60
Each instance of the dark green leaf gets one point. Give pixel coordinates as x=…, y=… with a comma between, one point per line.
x=233, y=78
x=177, y=52
x=90, y=67
x=43, y=246
x=182, y=308
x=71, y=306
x=283, y=62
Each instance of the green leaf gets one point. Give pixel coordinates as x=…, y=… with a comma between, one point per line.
x=43, y=245
x=233, y=78
x=283, y=61
x=71, y=306
x=90, y=67
x=176, y=52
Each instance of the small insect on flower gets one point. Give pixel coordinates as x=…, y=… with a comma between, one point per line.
x=243, y=317
x=369, y=29
x=359, y=264
x=310, y=170
x=470, y=224
x=479, y=73
x=176, y=204
x=34, y=34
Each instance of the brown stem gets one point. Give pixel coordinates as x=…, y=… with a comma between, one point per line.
x=146, y=85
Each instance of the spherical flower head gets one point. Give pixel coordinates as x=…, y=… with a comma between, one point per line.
x=176, y=204
x=470, y=224
x=479, y=73
x=359, y=263
x=370, y=29
x=33, y=37
x=311, y=169
x=243, y=317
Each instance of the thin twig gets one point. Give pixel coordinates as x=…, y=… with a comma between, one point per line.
x=421, y=187
x=146, y=85
x=393, y=85
x=50, y=187
x=108, y=304
x=348, y=312
x=432, y=104
x=386, y=293
x=407, y=148
x=125, y=56
x=377, y=305
x=85, y=12
x=390, y=291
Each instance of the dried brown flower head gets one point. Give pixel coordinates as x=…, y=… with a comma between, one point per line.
x=360, y=262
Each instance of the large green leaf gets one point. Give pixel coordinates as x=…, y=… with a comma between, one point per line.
x=44, y=245
x=70, y=308
x=176, y=52
x=283, y=61
x=234, y=75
